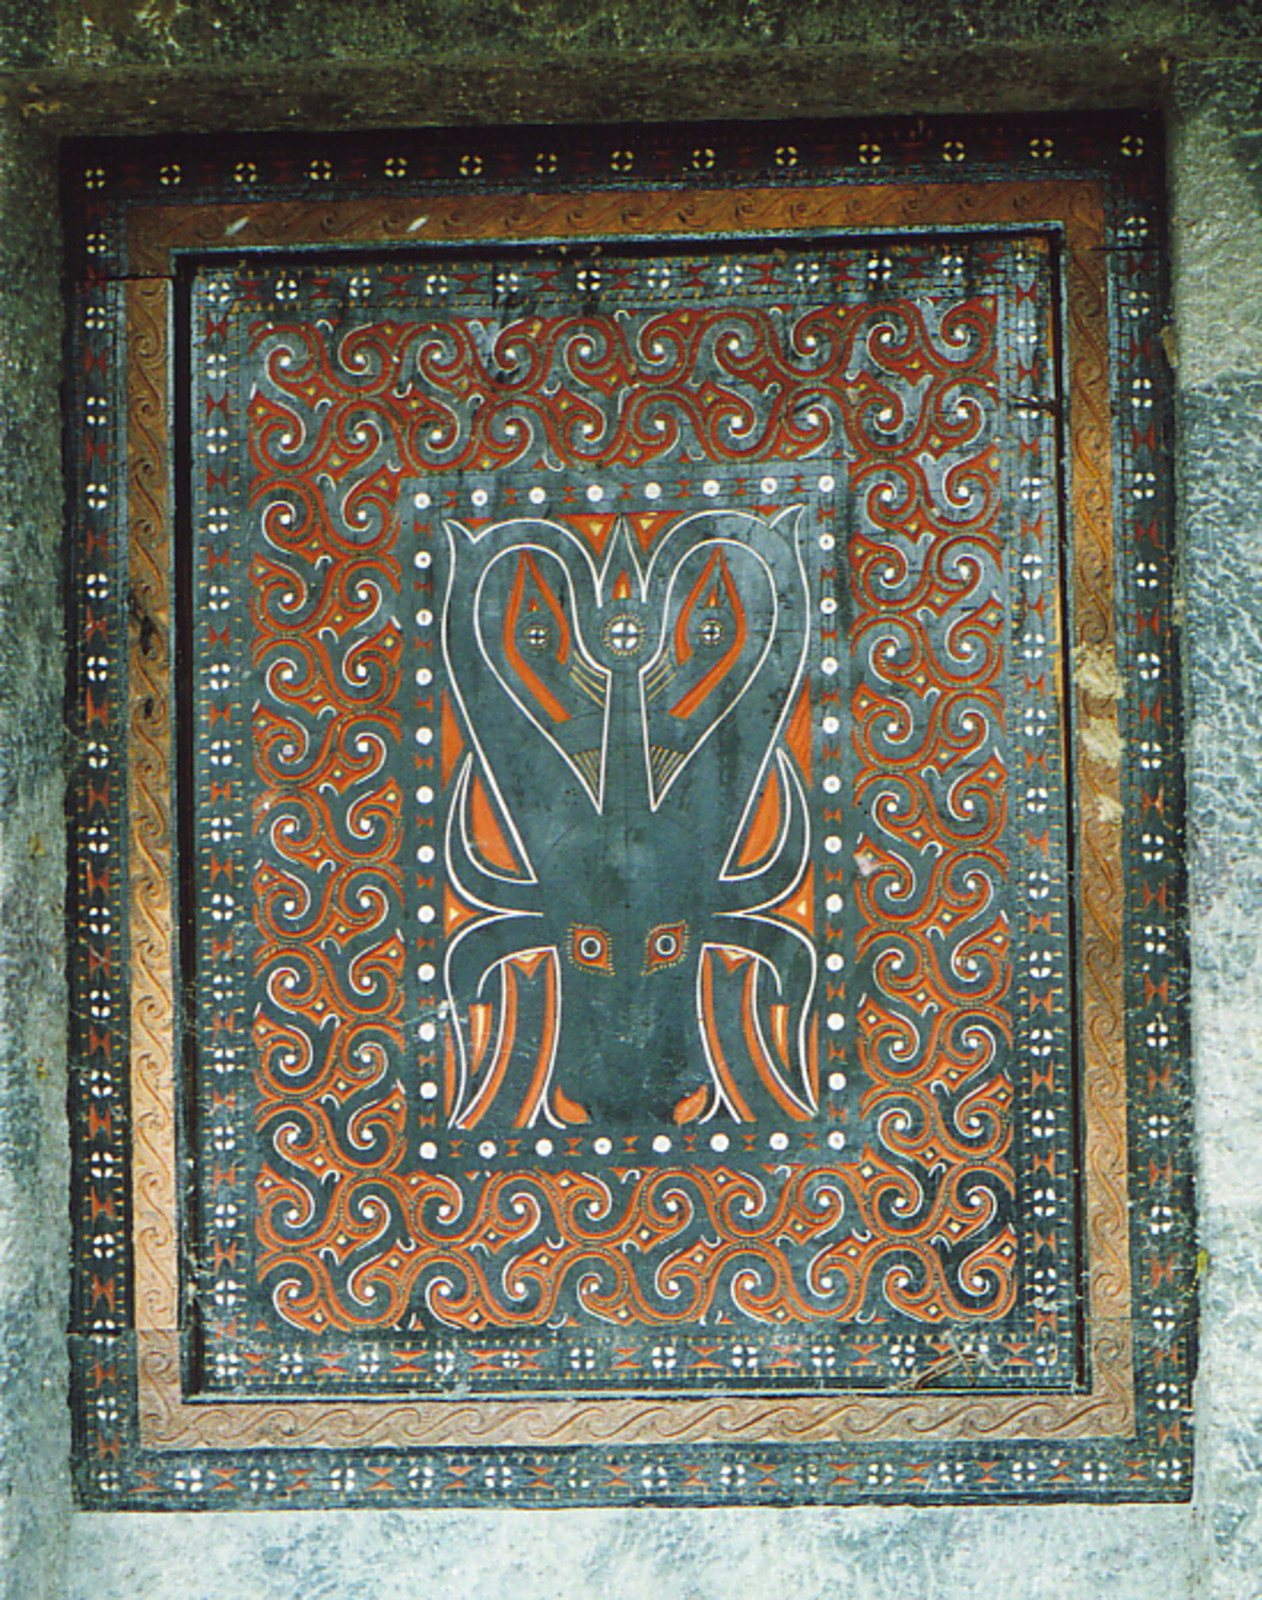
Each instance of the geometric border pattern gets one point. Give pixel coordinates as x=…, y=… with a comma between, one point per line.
x=134, y=212
x=638, y=1343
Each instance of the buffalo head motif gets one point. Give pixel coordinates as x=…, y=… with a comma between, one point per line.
x=627, y=842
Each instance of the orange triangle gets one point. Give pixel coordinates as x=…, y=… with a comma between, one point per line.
x=452, y=739
x=488, y=836
x=764, y=830
x=622, y=586
x=531, y=961
x=798, y=734
x=798, y=906
x=646, y=525
x=595, y=529
x=455, y=912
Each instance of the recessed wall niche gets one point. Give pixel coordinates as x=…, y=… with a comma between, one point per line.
x=626, y=890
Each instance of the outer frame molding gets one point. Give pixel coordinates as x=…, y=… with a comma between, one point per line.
x=1125, y=1432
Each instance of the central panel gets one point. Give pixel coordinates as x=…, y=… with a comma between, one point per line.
x=624, y=904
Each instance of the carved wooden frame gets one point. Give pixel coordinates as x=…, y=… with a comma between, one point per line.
x=1080, y=210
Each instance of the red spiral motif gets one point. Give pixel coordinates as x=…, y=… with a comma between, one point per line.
x=351, y=1234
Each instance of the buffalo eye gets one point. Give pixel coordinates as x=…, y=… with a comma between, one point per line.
x=591, y=949
x=537, y=635
x=666, y=945
x=711, y=632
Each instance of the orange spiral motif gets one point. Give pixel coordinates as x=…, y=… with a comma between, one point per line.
x=587, y=391
x=328, y=886
x=352, y=1233
x=927, y=717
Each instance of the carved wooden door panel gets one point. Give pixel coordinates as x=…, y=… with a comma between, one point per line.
x=625, y=668
x=625, y=773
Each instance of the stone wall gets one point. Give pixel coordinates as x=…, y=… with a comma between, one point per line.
x=114, y=65
x=1217, y=241
x=34, y=1224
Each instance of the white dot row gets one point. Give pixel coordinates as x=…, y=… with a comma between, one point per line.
x=596, y=492
x=662, y=1145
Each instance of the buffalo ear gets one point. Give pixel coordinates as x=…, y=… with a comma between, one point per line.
x=529, y=633
x=731, y=650
x=516, y=598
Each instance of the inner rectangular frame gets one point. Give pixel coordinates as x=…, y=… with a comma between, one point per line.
x=1073, y=210
x=799, y=1344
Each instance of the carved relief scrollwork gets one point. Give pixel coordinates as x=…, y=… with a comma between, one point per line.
x=149, y=865
x=930, y=845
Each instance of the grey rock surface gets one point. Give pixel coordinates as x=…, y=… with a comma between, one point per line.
x=78, y=64
x=1217, y=254
x=34, y=1233
x=863, y=1553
